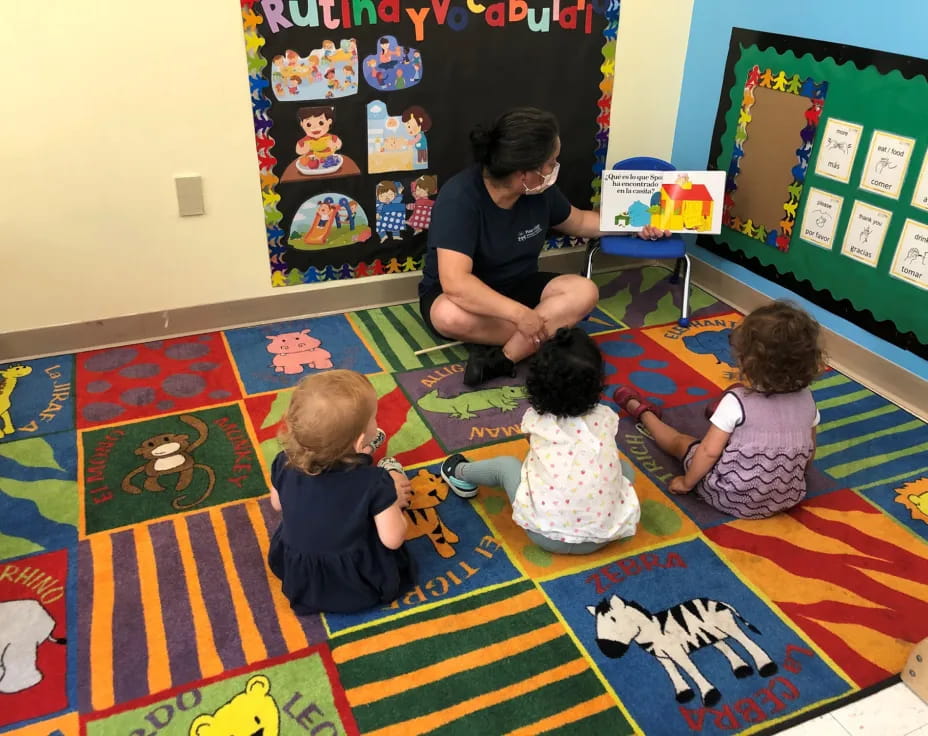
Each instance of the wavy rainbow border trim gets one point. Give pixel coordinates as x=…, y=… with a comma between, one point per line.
x=264, y=142
x=781, y=82
x=604, y=111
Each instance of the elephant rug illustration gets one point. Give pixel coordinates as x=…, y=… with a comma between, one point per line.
x=24, y=626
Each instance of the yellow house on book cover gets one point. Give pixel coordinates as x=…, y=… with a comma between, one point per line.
x=684, y=206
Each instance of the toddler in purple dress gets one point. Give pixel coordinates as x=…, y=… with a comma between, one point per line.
x=752, y=461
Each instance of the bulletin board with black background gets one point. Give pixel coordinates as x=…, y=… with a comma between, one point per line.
x=362, y=111
x=826, y=152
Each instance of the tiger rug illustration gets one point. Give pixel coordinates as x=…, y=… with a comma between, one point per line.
x=428, y=491
x=671, y=635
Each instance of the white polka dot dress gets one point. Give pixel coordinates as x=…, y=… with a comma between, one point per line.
x=572, y=486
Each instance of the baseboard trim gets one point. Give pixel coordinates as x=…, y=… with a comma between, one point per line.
x=880, y=375
x=317, y=300
x=872, y=370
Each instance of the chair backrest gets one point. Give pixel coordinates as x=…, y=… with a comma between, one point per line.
x=645, y=163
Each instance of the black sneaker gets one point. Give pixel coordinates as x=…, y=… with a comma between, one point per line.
x=475, y=360
x=486, y=363
x=460, y=487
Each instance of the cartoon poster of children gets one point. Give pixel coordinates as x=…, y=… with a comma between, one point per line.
x=318, y=149
x=397, y=142
x=323, y=74
x=417, y=122
x=392, y=66
x=391, y=212
x=423, y=188
x=328, y=220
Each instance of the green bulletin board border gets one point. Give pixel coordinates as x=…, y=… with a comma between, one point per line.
x=880, y=91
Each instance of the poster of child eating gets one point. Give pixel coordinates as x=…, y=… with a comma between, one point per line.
x=318, y=150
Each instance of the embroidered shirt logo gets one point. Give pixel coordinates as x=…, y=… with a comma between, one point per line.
x=530, y=233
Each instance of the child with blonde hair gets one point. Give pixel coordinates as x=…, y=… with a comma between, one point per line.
x=752, y=461
x=339, y=546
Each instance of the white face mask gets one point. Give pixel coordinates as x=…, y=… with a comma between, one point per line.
x=547, y=180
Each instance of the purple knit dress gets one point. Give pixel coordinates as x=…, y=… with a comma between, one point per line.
x=762, y=468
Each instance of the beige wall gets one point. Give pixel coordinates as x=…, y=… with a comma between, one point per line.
x=649, y=58
x=140, y=92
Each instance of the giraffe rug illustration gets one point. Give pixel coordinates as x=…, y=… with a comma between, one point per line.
x=36, y=398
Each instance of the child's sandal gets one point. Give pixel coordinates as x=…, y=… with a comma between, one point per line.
x=378, y=440
x=391, y=464
x=623, y=394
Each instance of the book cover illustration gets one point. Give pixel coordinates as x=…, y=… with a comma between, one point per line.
x=679, y=201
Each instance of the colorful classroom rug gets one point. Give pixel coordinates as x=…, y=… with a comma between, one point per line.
x=139, y=601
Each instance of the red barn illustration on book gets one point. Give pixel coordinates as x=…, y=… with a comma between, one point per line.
x=684, y=206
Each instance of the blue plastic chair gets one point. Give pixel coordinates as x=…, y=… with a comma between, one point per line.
x=634, y=247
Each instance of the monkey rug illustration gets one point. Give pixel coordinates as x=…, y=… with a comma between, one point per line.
x=169, y=454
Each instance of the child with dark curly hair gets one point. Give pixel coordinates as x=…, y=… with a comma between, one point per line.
x=752, y=462
x=569, y=495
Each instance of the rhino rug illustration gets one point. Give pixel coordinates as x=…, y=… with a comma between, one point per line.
x=24, y=626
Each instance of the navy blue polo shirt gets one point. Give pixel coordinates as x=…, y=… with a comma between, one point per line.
x=504, y=244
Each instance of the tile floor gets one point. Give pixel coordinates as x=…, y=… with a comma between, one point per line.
x=895, y=711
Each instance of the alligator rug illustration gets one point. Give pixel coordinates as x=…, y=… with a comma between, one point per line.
x=464, y=406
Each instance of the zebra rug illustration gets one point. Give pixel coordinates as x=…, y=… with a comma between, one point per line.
x=673, y=634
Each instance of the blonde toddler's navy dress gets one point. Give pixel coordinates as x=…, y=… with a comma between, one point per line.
x=326, y=550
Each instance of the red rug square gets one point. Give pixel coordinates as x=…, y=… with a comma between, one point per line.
x=143, y=380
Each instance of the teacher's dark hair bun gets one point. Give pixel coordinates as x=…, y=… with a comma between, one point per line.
x=521, y=139
x=481, y=142
x=566, y=378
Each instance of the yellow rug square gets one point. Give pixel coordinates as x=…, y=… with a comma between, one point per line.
x=661, y=522
x=703, y=346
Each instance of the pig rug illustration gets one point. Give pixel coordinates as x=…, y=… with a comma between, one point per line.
x=294, y=350
x=24, y=626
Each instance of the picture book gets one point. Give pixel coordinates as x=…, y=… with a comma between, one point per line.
x=679, y=201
